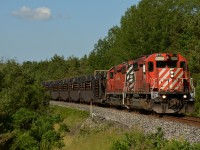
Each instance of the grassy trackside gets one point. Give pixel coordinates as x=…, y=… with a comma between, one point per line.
x=79, y=132
x=72, y=117
x=84, y=134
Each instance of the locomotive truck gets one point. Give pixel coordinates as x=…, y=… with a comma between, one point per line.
x=157, y=82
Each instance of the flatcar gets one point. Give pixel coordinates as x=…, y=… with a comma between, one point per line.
x=157, y=82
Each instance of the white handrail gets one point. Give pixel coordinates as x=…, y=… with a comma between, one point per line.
x=192, y=85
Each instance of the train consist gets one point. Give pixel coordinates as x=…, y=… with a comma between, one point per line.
x=158, y=82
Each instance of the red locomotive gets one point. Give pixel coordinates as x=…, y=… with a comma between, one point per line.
x=157, y=82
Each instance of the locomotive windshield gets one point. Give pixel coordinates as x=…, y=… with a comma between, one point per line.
x=164, y=64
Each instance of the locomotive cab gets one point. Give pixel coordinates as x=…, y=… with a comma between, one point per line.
x=170, y=85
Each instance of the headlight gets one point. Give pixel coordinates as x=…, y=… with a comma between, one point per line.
x=172, y=74
x=184, y=96
x=164, y=96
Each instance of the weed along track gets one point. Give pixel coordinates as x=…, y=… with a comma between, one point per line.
x=149, y=124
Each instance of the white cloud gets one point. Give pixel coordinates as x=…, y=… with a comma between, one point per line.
x=41, y=13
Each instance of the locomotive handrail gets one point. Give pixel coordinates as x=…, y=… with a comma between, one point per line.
x=100, y=71
x=154, y=82
x=192, y=86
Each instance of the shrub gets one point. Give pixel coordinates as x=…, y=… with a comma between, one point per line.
x=25, y=141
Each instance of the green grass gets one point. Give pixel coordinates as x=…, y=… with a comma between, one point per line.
x=98, y=137
x=72, y=117
x=95, y=141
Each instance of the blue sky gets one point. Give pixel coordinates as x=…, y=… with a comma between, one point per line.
x=34, y=30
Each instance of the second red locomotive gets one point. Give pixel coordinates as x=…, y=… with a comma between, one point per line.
x=158, y=82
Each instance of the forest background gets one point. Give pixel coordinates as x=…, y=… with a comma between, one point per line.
x=150, y=27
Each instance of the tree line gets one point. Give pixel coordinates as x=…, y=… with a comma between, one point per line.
x=150, y=27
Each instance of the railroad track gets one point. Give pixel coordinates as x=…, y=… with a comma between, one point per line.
x=193, y=121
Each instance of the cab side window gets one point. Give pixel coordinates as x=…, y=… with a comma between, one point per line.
x=111, y=75
x=135, y=66
x=123, y=70
x=150, y=66
x=183, y=65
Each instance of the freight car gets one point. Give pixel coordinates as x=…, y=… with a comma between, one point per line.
x=158, y=82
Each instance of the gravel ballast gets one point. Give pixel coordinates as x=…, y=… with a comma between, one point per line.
x=172, y=130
